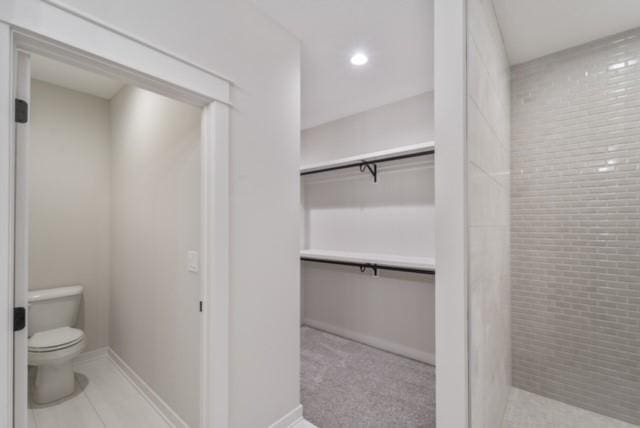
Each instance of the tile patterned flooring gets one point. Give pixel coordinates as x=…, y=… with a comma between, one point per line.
x=104, y=397
x=527, y=410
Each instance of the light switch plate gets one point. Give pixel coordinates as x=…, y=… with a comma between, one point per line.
x=193, y=262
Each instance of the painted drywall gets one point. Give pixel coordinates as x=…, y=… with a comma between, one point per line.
x=331, y=31
x=263, y=60
x=235, y=39
x=575, y=230
x=69, y=185
x=407, y=121
x=488, y=142
x=346, y=211
x=155, y=321
x=450, y=73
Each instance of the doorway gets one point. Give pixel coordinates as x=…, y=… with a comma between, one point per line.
x=368, y=211
x=203, y=153
x=110, y=176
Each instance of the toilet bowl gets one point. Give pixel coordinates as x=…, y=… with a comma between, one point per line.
x=53, y=342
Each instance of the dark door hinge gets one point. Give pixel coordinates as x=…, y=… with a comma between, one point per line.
x=19, y=318
x=200, y=305
x=22, y=111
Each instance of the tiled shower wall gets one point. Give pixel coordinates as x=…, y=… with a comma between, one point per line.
x=575, y=226
x=488, y=139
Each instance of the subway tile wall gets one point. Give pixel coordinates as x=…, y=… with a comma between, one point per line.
x=488, y=138
x=575, y=226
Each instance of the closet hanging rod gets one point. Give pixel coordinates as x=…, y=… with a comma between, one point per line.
x=364, y=163
x=373, y=266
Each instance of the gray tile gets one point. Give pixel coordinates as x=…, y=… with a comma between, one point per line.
x=527, y=410
x=575, y=226
x=488, y=148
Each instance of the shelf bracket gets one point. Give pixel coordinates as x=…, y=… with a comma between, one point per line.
x=372, y=167
x=374, y=268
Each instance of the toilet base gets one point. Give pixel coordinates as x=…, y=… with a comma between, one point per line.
x=53, y=382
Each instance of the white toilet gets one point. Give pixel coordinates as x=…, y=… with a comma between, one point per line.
x=53, y=342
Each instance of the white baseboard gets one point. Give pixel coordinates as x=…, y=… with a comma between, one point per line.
x=163, y=409
x=376, y=342
x=293, y=419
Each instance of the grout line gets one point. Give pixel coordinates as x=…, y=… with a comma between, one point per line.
x=119, y=372
x=93, y=405
x=494, y=92
x=492, y=177
x=504, y=145
x=492, y=82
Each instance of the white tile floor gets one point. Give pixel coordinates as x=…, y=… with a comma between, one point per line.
x=104, y=397
x=527, y=410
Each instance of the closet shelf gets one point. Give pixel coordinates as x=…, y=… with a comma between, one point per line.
x=369, y=161
x=371, y=261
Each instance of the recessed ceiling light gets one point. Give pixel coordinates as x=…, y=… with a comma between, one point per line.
x=359, y=58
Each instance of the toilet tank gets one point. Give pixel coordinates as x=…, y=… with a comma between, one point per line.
x=53, y=308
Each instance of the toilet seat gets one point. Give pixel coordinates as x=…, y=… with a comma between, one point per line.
x=55, y=339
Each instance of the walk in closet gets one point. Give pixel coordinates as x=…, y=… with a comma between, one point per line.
x=367, y=257
x=367, y=210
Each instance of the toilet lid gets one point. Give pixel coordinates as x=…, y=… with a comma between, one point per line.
x=54, y=339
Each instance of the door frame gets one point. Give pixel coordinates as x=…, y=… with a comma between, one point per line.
x=85, y=42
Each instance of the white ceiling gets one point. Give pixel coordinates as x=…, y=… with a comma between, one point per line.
x=396, y=34
x=534, y=28
x=75, y=78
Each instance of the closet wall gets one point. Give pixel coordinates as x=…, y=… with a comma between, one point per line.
x=345, y=211
x=69, y=200
x=155, y=323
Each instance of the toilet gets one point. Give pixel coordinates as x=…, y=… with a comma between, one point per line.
x=53, y=341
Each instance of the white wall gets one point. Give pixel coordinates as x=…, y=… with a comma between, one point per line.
x=404, y=122
x=232, y=37
x=488, y=146
x=69, y=200
x=155, y=320
x=346, y=211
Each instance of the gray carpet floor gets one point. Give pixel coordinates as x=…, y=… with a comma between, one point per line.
x=346, y=384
